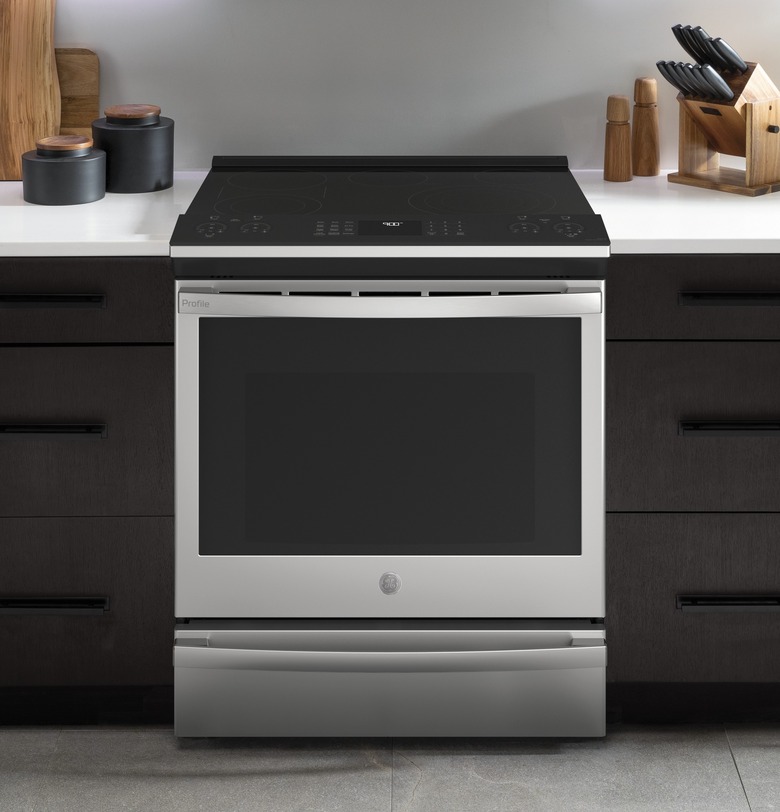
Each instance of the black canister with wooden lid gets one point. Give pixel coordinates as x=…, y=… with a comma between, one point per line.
x=63, y=170
x=138, y=143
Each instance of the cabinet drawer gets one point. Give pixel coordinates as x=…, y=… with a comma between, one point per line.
x=656, y=389
x=121, y=464
x=651, y=558
x=693, y=297
x=86, y=300
x=129, y=561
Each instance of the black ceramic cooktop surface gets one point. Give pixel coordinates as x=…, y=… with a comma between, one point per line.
x=411, y=201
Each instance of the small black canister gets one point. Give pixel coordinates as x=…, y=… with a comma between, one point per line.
x=138, y=143
x=64, y=170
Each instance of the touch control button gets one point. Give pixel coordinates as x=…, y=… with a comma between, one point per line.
x=525, y=227
x=255, y=227
x=210, y=229
x=569, y=229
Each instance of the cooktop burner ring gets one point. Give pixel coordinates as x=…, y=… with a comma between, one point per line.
x=496, y=199
x=276, y=181
x=391, y=179
x=271, y=203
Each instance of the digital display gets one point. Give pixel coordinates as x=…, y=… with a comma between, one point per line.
x=390, y=228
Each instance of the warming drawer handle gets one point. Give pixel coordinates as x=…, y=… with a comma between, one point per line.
x=729, y=428
x=538, y=305
x=187, y=655
x=47, y=301
x=729, y=298
x=57, y=431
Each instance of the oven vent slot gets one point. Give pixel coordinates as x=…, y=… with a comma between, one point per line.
x=406, y=293
x=316, y=293
x=527, y=292
x=459, y=293
x=221, y=276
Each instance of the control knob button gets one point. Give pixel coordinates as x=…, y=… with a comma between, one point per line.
x=209, y=229
x=255, y=227
x=525, y=227
x=569, y=229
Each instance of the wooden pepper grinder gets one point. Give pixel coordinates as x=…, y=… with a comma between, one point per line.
x=645, y=142
x=617, y=143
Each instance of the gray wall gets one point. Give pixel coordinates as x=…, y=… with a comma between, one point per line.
x=397, y=76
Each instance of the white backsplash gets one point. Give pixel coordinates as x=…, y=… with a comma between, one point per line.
x=403, y=77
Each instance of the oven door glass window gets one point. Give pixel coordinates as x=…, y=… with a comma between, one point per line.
x=390, y=436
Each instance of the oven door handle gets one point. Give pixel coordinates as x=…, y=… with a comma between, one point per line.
x=196, y=653
x=536, y=305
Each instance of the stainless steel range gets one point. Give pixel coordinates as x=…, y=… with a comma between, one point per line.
x=389, y=450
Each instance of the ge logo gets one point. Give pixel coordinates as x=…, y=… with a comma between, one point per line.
x=390, y=583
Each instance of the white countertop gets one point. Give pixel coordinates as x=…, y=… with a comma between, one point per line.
x=643, y=216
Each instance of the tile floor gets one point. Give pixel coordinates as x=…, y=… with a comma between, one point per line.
x=704, y=768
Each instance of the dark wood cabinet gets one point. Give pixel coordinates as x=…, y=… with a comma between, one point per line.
x=86, y=431
x=86, y=472
x=693, y=469
x=653, y=559
x=693, y=426
x=708, y=297
x=86, y=300
x=129, y=561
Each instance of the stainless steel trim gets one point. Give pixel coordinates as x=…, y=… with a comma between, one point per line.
x=592, y=656
x=573, y=251
x=198, y=303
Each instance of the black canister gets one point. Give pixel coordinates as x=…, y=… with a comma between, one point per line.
x=138, y=143
x=64, y=170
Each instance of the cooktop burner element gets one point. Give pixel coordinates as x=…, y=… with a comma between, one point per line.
x=482, y=200
x=389, y=207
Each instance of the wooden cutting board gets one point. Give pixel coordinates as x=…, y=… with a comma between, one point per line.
x=79, y=73
x=29, y=91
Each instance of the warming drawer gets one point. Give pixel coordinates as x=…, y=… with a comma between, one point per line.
x=410, y=682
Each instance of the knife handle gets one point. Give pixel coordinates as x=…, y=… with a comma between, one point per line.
x=682, y=80
x=694, y=47
x=736, y=62
x=710, y=53
x=718, y=82
x=701, y=84
x=683, y=40
x=664, y=71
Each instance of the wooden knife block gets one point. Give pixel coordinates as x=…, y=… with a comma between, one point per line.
x=747, y=126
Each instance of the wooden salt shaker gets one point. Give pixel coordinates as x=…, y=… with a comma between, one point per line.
x=645, y=141
x=617, y=143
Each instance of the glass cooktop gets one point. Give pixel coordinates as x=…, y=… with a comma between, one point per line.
x=247, y=201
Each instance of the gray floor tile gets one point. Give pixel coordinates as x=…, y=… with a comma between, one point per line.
x=632, y=770
x=152, y=770
x=756, y=750
x=25, y=755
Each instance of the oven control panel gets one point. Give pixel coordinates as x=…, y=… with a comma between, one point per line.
x=257, y=229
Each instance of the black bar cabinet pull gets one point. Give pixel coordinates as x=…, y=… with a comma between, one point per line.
x=728, y=603
x=60, y=431
x=54, y=606
x=729, y=428
x=46, y=301
x=729, y=298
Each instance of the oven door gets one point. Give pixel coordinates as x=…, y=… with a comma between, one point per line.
x=389, y=455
